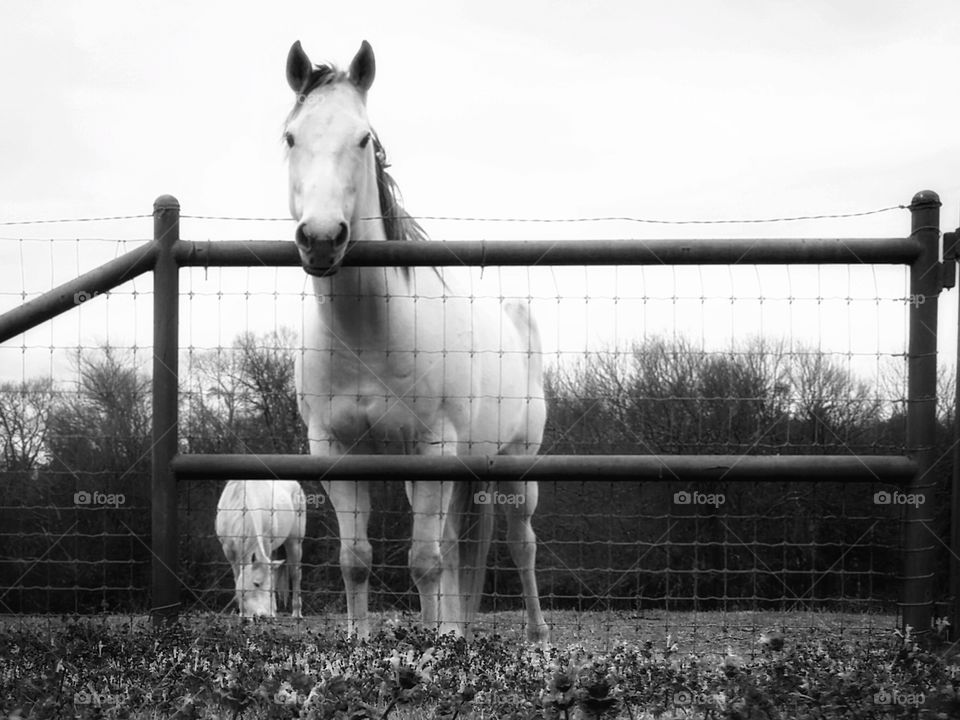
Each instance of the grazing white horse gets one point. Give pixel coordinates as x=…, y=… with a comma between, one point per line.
x=254, y=518
x=401, y=361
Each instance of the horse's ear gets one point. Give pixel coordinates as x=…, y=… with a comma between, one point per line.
x=299, y=67
x=363, y=67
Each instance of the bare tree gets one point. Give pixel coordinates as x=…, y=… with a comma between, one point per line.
x=212, y=402
x=105, y=426
x=745, y=396
x=243, y=399
x=24, y=414
x=267, y=375
x=585, y=405
x=831, y=406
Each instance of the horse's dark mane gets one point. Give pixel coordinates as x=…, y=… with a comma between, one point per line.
x=397, y=223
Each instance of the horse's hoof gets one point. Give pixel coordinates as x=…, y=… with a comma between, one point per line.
x=539, y=635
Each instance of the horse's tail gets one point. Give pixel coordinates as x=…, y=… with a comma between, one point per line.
x=475, y=511
x=529, y=334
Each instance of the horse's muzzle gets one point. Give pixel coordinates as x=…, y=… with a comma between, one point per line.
x=321, y=271
x=321, y=256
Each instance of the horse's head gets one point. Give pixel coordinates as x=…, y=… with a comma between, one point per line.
x=331, y=156
x=256, y=587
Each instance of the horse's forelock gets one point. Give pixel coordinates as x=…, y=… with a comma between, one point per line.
x=320, y=76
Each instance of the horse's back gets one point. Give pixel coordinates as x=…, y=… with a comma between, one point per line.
x=272, y=509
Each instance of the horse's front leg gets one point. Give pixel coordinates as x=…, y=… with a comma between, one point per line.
x=295, y=558
x=294, y=548
x=232, y=551
x=351, y=502
x=434, y=561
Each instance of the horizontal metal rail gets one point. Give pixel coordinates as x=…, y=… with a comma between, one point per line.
x=67, y=296
x=481, y=253
x=710, y=251
x=892, y=469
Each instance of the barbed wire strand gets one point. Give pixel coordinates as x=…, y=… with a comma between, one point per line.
x=40, y=221
x=450, y=218
x=608, y=218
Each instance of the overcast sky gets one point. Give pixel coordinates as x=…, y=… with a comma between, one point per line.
x=676, y=111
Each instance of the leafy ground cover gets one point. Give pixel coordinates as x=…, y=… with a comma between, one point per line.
x=217, y=667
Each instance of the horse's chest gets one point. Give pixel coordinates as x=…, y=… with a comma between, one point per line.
x=384, y=404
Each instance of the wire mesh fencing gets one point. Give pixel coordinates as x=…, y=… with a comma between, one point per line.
x=647, y=360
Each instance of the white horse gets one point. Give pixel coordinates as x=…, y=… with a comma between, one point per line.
x=254, y=518
x=395, y=361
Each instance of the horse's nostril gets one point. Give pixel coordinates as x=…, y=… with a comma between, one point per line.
x=301, y=237
x=304, y=240
x=343, y=235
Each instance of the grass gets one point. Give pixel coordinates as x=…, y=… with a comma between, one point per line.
x=655, y=665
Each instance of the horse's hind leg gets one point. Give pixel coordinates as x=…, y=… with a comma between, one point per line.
x=351, y=502
x=522, y=543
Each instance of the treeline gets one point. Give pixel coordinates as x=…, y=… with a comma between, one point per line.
x=819, y=544
x=75, y=482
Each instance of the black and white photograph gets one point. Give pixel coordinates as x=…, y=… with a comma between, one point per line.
x=547, y=360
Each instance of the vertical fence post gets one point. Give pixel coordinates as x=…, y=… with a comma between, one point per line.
x=165, y=588
x=919, y=538
x=951, y=255
x=955, y=475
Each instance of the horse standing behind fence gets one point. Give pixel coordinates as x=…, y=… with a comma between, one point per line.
x=254, y=519
x=395, y=361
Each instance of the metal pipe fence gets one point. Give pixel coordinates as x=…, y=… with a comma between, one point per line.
x=168, y=253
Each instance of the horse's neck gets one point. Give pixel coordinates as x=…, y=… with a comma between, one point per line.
x=356, y=300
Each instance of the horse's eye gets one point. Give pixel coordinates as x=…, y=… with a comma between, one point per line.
x=289, y=138
x=365, y=141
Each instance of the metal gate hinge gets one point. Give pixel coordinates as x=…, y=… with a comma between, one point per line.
x=951, y=254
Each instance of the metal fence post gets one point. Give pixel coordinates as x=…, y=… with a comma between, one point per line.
x=951, y=254
x=165, y=589
x=919, y=539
